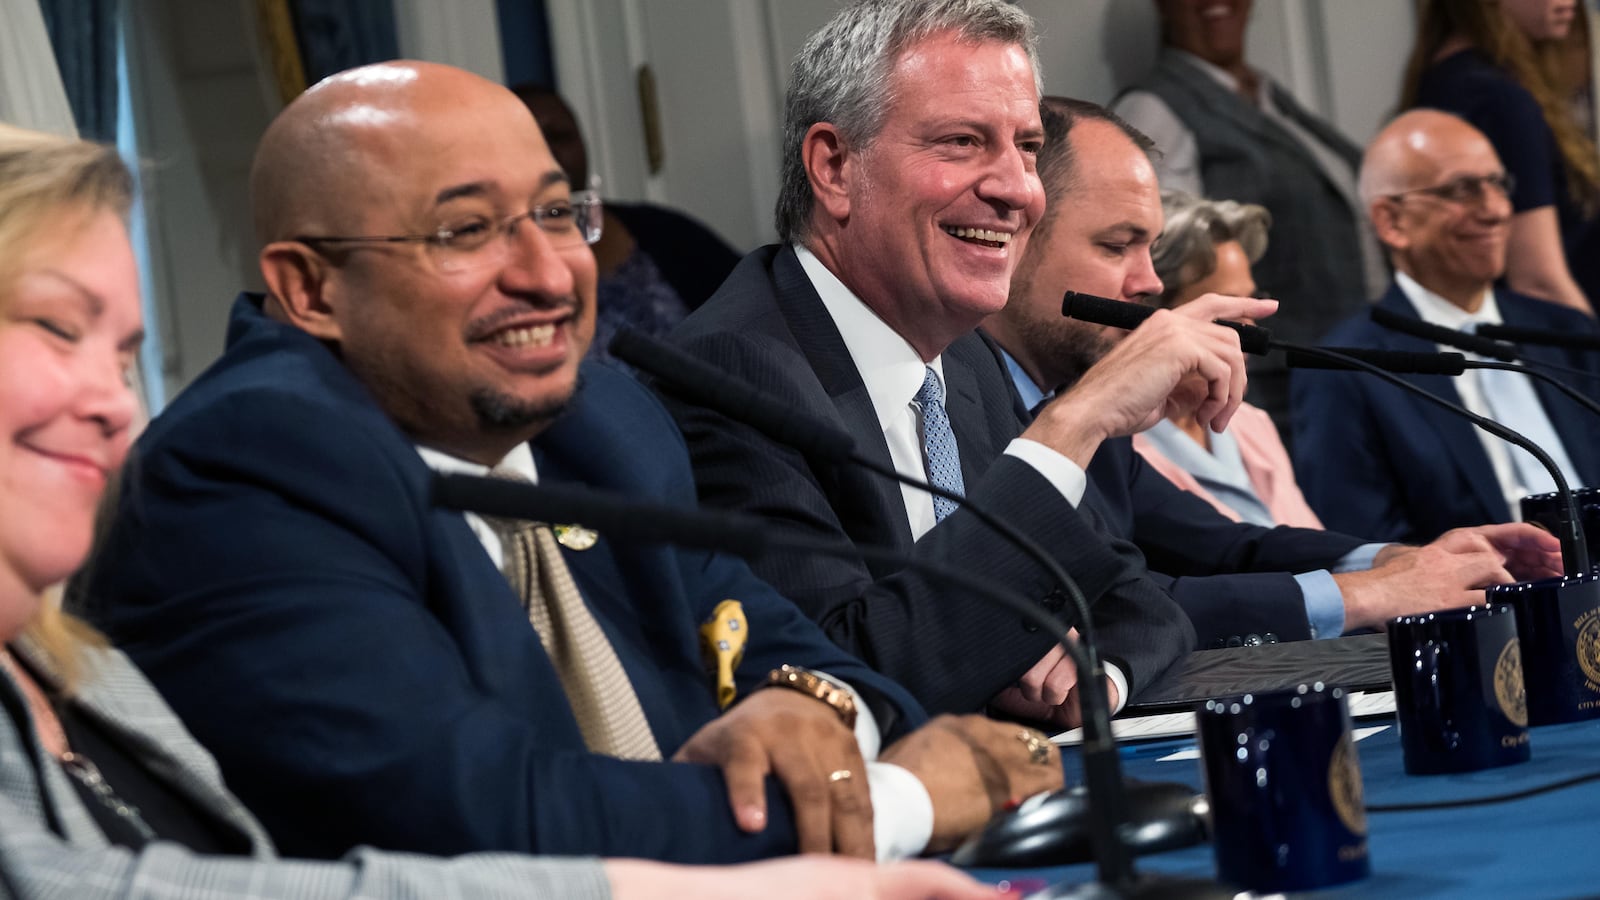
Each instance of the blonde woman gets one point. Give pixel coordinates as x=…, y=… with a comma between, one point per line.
x=102, y=791
x=1493, y=63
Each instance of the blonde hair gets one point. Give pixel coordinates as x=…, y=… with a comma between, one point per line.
x=1534, y=66
x=48, y=186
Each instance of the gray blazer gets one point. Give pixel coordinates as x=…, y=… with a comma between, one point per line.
x=72, y=858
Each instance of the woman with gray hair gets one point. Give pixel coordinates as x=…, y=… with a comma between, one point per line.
x=1244, y=472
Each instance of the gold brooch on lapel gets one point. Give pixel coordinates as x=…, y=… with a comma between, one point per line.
x=575, y=537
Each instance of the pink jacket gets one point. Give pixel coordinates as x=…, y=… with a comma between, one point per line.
x=1265, y=460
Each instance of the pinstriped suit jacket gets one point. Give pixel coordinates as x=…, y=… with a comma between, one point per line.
x=50, y=846
x=767, y=326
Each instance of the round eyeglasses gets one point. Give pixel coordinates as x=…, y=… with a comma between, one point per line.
x=1466, y=189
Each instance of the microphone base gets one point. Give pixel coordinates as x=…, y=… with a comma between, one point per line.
x=1145, y=886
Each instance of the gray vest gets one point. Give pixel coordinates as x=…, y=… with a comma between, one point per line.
x=1313, y=258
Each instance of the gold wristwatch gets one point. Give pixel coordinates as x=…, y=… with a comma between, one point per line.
x=813, y=685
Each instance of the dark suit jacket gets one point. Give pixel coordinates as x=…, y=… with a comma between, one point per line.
x=1374, y=460
x=1234, y=579
x=361, y=669
x=768, y=326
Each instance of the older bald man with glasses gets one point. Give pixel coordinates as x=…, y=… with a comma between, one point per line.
x=1374, y=461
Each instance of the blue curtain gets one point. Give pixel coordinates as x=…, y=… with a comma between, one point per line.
x=525, y=43
x=337, y=34
x=83, y=36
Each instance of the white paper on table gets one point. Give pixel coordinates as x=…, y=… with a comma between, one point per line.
x=1363, y=704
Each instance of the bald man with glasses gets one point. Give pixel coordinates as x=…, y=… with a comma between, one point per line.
x=371, y=670
x=1375, y=461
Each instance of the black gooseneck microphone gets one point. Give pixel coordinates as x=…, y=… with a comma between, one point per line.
x=1448, y=337
x=1253, y=339
x=1407, y=362
x=1574, y=550
x=1482, y=346
x=1540, y=336
x=751, y=537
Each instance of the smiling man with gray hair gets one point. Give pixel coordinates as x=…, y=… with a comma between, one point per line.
x=909, y=192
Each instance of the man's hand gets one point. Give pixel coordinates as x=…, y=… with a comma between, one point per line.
x=1137, y=383
x=1530, y=552
x=973, y=767
x=796, y=878
x=1448, y=573
x=802, y=742
x=1050, y=692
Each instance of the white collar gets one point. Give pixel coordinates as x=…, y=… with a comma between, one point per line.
x=518, y=462
x=1436, y=310
x=889, y=366
x=1224, y=77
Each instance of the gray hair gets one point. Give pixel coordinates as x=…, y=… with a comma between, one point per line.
x=842, y=76
x=1187, y=249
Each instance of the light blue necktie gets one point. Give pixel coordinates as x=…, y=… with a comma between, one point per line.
x=1514, y=404
x=939, y=445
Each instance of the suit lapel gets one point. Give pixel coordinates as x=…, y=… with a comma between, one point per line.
x=819, y=340
x=964, y=404
x=1459, y=437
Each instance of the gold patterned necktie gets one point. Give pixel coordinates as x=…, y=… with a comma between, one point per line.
x=597, y=687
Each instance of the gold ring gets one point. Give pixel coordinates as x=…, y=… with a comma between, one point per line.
x=841, y=775
x=1038, y=745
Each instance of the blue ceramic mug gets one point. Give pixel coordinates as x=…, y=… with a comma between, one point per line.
x=1558, y=624
x=1284, y=786
x=1458, y=689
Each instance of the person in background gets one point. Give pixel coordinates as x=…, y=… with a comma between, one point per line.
x=1376, y=460
x=1493, y=62
x=1240, y=583
x=1228, y=130
x=1207, y=247
x=656, y=264
x=103, y=793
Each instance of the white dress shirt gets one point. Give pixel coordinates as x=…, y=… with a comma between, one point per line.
x=902, y=820
x=1178, y=165
x=1436, y=310
x=893, y=372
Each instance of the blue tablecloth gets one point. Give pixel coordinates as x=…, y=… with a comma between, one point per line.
x=1547, y=845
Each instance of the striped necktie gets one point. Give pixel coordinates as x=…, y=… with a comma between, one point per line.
x=597, y=687
x=939, y=445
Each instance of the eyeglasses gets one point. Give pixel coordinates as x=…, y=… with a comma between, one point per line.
x=1466, y=189
x=476, y=240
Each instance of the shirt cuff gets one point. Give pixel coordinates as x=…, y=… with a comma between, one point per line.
x=1067, y=476
x=1358, y=560
x=902, y=812
x=1119, y=679
x=1324, y=602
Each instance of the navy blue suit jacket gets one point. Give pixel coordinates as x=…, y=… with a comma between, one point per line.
x=1234, y=579
x=358, y=664
x=767, y=326
x=1374, y=460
